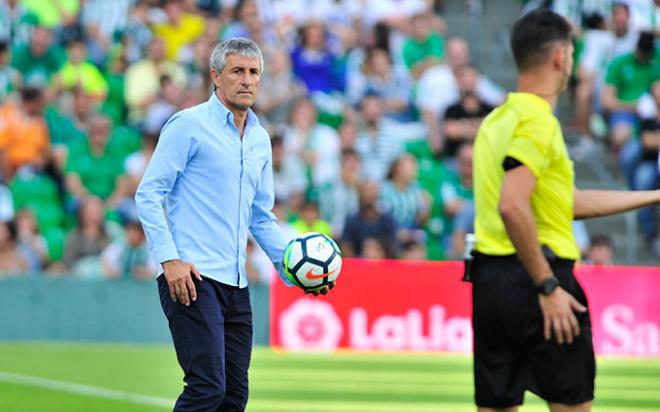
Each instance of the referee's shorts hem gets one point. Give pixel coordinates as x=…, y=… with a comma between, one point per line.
x=502, y=405
x=565, y=402
x=498, y=405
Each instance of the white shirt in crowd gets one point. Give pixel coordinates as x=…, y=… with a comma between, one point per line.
x=437, y=89
x=644, y=15
x=602, y=46
x=646, y=107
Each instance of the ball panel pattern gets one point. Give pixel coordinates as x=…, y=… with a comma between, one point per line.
x=312, y=260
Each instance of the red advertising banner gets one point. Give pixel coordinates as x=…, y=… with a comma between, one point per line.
x=625, y=313
x=424, y=306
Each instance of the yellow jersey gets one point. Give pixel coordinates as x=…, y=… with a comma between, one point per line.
x=190, y=28
x=525, y=129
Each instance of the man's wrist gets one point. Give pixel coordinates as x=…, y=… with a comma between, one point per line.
x=547, y=285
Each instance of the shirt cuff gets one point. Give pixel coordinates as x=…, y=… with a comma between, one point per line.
x=164, y=253
x=280, y=271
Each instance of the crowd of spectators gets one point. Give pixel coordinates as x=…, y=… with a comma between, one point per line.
x=617, y=92
x=371, y=106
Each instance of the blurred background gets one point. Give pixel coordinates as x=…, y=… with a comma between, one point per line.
x=372, y=107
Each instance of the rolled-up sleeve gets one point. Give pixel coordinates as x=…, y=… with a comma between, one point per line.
x=176, y=146
x=264, y=225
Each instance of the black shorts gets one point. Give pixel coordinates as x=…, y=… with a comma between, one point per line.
x=511, y=354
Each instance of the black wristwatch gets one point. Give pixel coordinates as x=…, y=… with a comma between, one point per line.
x=548, y=285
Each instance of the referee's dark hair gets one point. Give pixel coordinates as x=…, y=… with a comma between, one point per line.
x=534, y=35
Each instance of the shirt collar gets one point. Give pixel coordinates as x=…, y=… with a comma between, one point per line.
x=227, y=117
x=529, y=98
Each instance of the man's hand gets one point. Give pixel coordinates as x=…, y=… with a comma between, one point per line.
x=179, y=280
x=558, y=316
x=323, y=290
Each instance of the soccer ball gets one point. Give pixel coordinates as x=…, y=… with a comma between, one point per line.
x=312, y=260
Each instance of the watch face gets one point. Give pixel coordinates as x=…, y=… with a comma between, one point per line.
x=550, y=285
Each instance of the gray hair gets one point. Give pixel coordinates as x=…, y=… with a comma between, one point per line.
x=239, y=46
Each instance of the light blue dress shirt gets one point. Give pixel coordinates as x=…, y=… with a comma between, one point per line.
x=205, y=187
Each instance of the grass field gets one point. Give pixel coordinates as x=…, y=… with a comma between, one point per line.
x=101, y=377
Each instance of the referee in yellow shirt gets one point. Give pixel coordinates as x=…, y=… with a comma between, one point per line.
x=531, y=321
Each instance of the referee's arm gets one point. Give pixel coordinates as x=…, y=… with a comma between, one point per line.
x=594, y=203
x=516, y=211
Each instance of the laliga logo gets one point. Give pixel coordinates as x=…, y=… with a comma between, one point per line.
x=310, y=324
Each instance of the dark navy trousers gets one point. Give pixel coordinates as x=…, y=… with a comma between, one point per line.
x=213, y=342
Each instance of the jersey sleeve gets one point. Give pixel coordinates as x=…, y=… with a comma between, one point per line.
x=531, y=144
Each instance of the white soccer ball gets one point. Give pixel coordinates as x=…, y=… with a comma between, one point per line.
x=312, y=260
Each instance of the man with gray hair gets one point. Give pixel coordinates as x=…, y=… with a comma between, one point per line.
x=210, y=180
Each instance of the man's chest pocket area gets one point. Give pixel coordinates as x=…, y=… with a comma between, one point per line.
x=253, y=164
